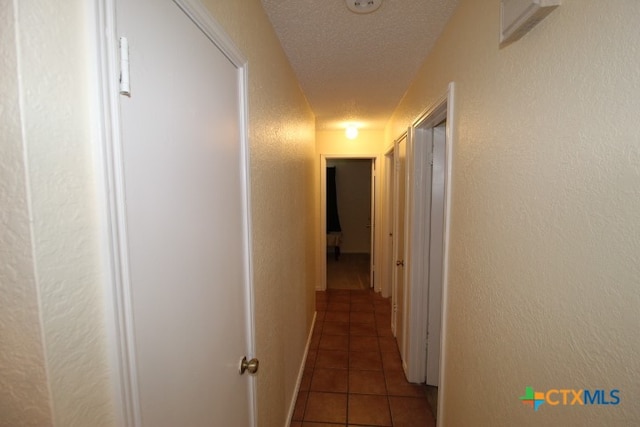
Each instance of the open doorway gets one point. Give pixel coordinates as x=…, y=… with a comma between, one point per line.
x=349, y=222
x=348, y=206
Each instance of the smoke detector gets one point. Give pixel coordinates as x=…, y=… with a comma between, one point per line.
x=363, y=6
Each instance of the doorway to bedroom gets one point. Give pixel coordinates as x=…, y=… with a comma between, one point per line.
x=349, y=217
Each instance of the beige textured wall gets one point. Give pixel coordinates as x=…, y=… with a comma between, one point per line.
x=57, y=141
x=24, y=395
x=545, y=237
x=281, y=136
x=335, y=142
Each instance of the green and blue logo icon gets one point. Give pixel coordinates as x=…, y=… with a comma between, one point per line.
x=532, y=398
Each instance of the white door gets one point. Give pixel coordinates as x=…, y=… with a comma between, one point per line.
x=372, y=226
x=388, y=263
x=436, y=250
x=399, y=244
x=186, y=218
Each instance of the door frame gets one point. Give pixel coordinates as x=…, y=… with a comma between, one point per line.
x=386, y=229
x=406, y=238
x=322, y=241
x=443, y=109
x=434, y=135
x=107, y=134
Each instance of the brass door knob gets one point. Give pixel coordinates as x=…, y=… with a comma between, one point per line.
x=249, y=365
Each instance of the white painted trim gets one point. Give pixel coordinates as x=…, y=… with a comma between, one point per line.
x=118, y=310
x=386, y=268
x=434, y=114
x=378, y=238
x=322, y=250
x=201, y=16
x=292, y=404
x=322, y=241
x=119, y=304
x=408, y=245
x=451, y=140
x=374, y=267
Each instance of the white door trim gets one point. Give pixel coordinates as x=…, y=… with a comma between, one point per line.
x=400, y=332
x=386, y=228
x=322, y=242
x=118, y=302
x=373, y=224
x=451, y=138
x=443, y=109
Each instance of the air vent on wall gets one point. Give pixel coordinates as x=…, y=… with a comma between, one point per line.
x=518, y=17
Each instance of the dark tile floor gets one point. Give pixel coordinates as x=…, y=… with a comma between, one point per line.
x=353, y=374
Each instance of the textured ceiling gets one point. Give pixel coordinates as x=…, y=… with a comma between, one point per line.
x=356, y=67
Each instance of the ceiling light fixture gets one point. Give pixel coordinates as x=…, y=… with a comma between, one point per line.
x=363, y=6
x=351, y=132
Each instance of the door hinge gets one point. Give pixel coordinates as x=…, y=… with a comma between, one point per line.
x=430, y=158
x=125, y=88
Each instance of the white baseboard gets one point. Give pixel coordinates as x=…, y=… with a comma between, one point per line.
x=292, y=405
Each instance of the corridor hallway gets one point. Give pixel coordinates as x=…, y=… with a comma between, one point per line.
x=353, y=374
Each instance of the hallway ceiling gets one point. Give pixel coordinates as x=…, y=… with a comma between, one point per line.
x=356, y=67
